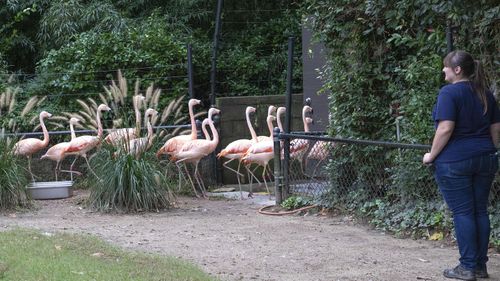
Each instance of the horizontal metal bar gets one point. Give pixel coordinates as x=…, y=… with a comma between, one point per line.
x=34, y=134
x=354, y=141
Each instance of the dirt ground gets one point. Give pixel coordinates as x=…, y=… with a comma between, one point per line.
x=232, y=241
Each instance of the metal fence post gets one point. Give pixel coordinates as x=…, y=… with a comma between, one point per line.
x=190, y=72
x=288, y=119
x=449, y=37
x=277, y=167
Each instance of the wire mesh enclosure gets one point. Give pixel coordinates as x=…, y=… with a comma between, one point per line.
x=344, y=170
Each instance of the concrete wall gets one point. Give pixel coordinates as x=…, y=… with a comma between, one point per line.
x=313, y=59
x=233, y=124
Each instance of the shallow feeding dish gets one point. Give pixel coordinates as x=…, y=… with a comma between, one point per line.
x=50, y=189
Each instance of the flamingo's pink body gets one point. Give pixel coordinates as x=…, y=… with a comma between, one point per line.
x=57, y=152
x=83, y=144
x=173, y=145
x=261, y=153
x=30, y=146
x=193, y=151
x=126, y=134
x=298, y=147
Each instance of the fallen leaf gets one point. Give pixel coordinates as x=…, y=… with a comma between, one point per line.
x=436, y=236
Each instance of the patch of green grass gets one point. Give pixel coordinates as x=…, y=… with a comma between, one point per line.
x=30, y=255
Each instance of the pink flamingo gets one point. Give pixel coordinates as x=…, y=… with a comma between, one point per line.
x=237, y=149
x=298, y=147
x=28, y=147
x=194, y=150
x=126, y=134
x=261, y=153
x=138, y=146
x=56, y=152
x=83, y=144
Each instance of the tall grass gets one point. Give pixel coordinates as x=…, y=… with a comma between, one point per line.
x=13, y=178
x=127, y=184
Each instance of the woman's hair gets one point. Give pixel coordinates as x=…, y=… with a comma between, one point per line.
x=471, y=69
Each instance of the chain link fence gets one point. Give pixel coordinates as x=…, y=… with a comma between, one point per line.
x=343, y=170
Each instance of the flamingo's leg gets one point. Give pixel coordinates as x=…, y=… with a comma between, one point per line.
x=90, y=168
x=29, y=169
x=189, y=177
x=200, y=181
x=231, y=169
x=264, y=170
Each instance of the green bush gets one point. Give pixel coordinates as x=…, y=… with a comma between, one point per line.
x=295, y=202
x=384, y=54
x=128, y=184
x=13, y=178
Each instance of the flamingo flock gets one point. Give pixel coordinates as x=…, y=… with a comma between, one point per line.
x=255, y=151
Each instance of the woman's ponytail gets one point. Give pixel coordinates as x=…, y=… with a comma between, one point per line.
x=480, y=83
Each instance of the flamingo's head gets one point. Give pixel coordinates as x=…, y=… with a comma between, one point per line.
x=103, y=107
x=309, y=120
x=74, y=120
x=271, y=110
x=45, y=114
x=151, y=112
x=212, y=111
x=250, y=109
x=193, y=102
x=281, y=110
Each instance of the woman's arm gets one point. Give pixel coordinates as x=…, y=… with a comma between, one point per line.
x=495, y=133
x=443, y=133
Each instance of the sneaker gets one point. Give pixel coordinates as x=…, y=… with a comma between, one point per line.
x=460, y=273
x=482, y=272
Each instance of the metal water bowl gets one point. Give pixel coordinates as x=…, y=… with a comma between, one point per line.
x=50, y=190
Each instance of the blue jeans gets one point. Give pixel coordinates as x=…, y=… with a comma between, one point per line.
x=465, y=186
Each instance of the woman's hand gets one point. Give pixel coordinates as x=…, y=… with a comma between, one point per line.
x=427, y=159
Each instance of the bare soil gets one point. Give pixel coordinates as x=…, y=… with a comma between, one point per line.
x=232, y=241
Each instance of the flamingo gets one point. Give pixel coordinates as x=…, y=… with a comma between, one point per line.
x=137, y=146
x=28, y=147
x=261, y=153
x=298, y=147
x=83, y=144
x=56, y=152
x=194, y=150
x=126, y=134
x=238, y=148
x=173, y=145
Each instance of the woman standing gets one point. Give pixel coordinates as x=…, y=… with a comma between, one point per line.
x=463, y=152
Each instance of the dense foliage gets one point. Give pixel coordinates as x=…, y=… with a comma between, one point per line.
x=388, y=54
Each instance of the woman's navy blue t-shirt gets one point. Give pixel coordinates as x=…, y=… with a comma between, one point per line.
x=471, y=137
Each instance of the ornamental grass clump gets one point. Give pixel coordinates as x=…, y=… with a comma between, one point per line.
x=125, y=183
x=13, y=178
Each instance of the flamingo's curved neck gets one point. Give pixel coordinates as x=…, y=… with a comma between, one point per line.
x=204, y=129
x=99, y=125
x=150, y=127
x=137, y=115
x=215, y=134
x=45, y=132
x=250, y=127
x=306, y=125
x=278, y=120
x=270, y=127
x=194, y=133
x=73, y=135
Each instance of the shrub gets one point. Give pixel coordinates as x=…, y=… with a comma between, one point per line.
x=13, y=178
x=128, y=184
